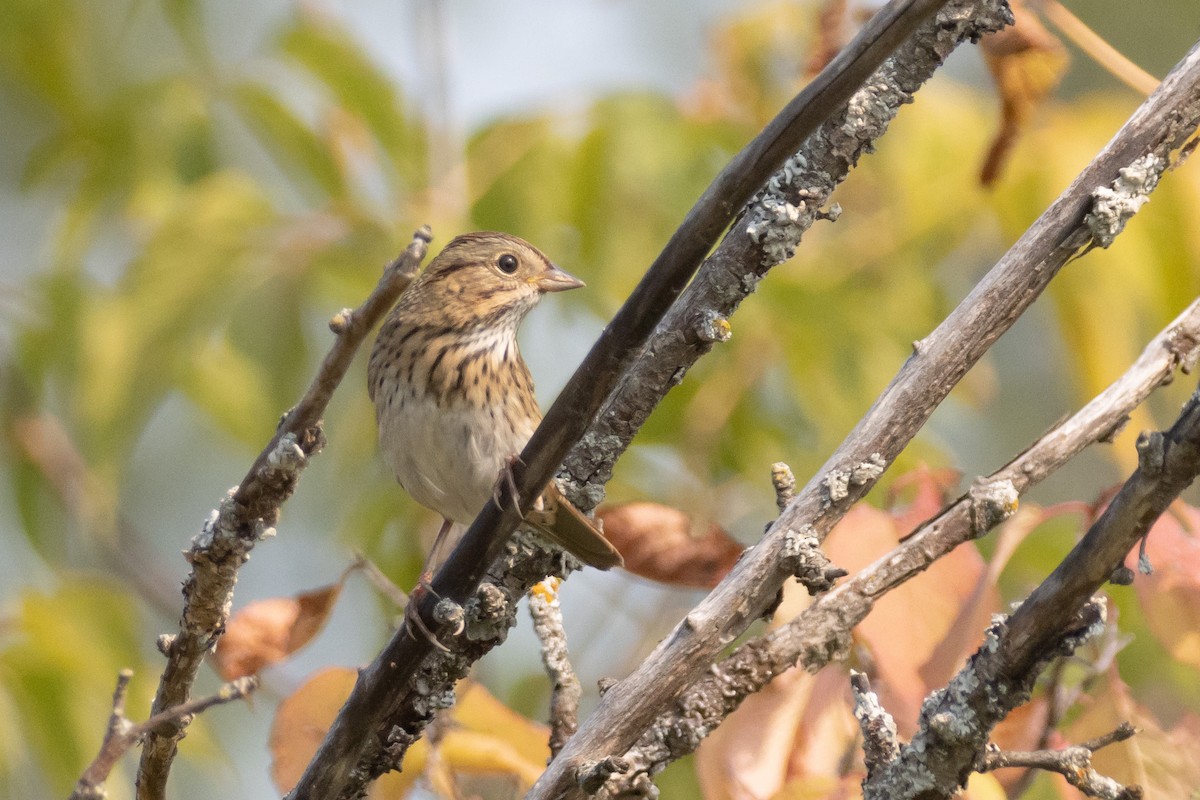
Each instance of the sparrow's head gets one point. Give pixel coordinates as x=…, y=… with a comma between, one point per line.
x=486, y=278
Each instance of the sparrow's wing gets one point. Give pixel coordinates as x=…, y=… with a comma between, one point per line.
x=566, y=526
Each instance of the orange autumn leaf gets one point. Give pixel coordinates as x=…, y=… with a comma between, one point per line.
x=1027, y=62
x=268, y=631
x=799, y=728
x=1022, y=729
x=1170, y=595
x=657, y=542
x=302, y=720
x=917, y=495
x=831, y=36
x=484, y=737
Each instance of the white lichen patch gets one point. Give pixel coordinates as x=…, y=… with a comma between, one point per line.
x=798, y=544
x=1113, y=206
x=778, y=217
x=837, y=484
x=867, y=471
x=286, y=454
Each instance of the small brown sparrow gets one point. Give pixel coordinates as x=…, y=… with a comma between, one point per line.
x=453, y=397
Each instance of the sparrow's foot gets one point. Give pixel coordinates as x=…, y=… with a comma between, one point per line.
x=506, y=485
x=413, y=624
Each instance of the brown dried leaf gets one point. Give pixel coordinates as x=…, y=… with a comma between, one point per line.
x=1027, y=63
x=268, y=631
x=799, y=727
x=657, y=543
x=485, y=737
x=1021, y=730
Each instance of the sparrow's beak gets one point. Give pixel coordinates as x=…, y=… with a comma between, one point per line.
x=554, y=279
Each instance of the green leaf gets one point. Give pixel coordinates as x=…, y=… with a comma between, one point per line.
x=185, y=17
x=288, y=139
x=140, y=337
x=58, y=670
x=329, y=54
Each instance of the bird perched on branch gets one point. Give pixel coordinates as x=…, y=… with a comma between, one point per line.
x=453, y=397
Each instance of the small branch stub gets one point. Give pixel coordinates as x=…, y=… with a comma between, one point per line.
x=548, y=625
x=880, y=740
x=592, y=775
x=991, y=504
x=340, y=321
x=802, y=557
x=785, y=484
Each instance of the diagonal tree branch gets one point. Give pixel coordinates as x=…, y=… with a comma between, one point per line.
x=821, y=633
x=956, y=721
x=247, y=514
x=396, y=695
x=1074, y=763
x=1088, y=211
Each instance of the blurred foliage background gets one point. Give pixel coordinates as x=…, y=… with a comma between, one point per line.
x=188, y=190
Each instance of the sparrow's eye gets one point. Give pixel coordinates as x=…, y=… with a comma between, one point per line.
x=507, y=263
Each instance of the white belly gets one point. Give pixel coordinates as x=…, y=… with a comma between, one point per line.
x=446, y=459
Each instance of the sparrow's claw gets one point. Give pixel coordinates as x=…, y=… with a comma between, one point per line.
x=412, y=615
x=507, y=480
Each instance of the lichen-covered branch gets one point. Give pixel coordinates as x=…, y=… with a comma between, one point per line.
x=247, y=514
x=821, y=633
x=767, y=234
x=122, y=734
x=566, y=691
x=1074, y=763
x=1160, y=126
x=955, y=722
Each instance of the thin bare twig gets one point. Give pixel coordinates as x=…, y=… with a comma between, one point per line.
x=248, y=513
x=1097, y=47
x=1073, y=763
x=382, y=583
x=564, y=699
x=121, y=734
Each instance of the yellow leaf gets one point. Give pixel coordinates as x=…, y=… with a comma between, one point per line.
x=485, y=736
